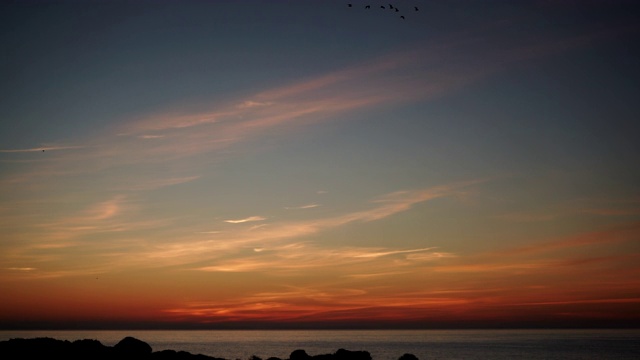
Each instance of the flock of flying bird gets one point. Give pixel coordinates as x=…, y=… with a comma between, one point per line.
x=390, y=7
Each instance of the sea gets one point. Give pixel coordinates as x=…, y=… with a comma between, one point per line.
x=381, y=344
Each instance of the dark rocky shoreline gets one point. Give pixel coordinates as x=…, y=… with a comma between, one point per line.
x=132, y=348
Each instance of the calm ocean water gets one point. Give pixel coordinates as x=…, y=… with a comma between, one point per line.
x=383, y=345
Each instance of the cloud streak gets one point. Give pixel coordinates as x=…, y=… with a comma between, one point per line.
x=248, y=219
x=302, y=207
x=306, y=257
x=388, y=80
x=184, y=251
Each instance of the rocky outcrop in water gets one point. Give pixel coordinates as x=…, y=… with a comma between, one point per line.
x=131, y=348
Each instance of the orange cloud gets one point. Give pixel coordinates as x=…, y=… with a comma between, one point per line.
x=187, y=250
x=249, y=219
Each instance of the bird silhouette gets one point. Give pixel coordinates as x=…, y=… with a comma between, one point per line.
x=43, y=150
x=391, y=7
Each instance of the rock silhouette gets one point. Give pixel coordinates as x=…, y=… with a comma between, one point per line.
x=341, y=354
x=131, y=348
x=299, y=355
x=127, y=349
x=408, y=357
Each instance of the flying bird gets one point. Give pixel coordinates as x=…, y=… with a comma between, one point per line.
x=388, y=6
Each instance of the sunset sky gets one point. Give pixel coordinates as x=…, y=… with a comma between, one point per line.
x=306, y=164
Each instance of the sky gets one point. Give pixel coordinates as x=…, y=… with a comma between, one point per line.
x=306, y=164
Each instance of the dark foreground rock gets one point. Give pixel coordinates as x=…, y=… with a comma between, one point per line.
x=127, y=349
x=341, y=354
x=131, y=348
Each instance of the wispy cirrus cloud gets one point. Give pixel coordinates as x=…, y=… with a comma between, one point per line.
x=302, y=207
x=335, y=303
x=305, y=257
x=400, y=77
x=106, y=209
x=166, y=138
x=370, y=84
x=77, y=228
x=151, y=136
x=21, y=269
x=192, y=250
x=523, y=282
x=378, y=254
x=250, y=104
x=247, y=219
x=326, y=304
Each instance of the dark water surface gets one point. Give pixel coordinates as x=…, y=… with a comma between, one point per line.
x=382, y=344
